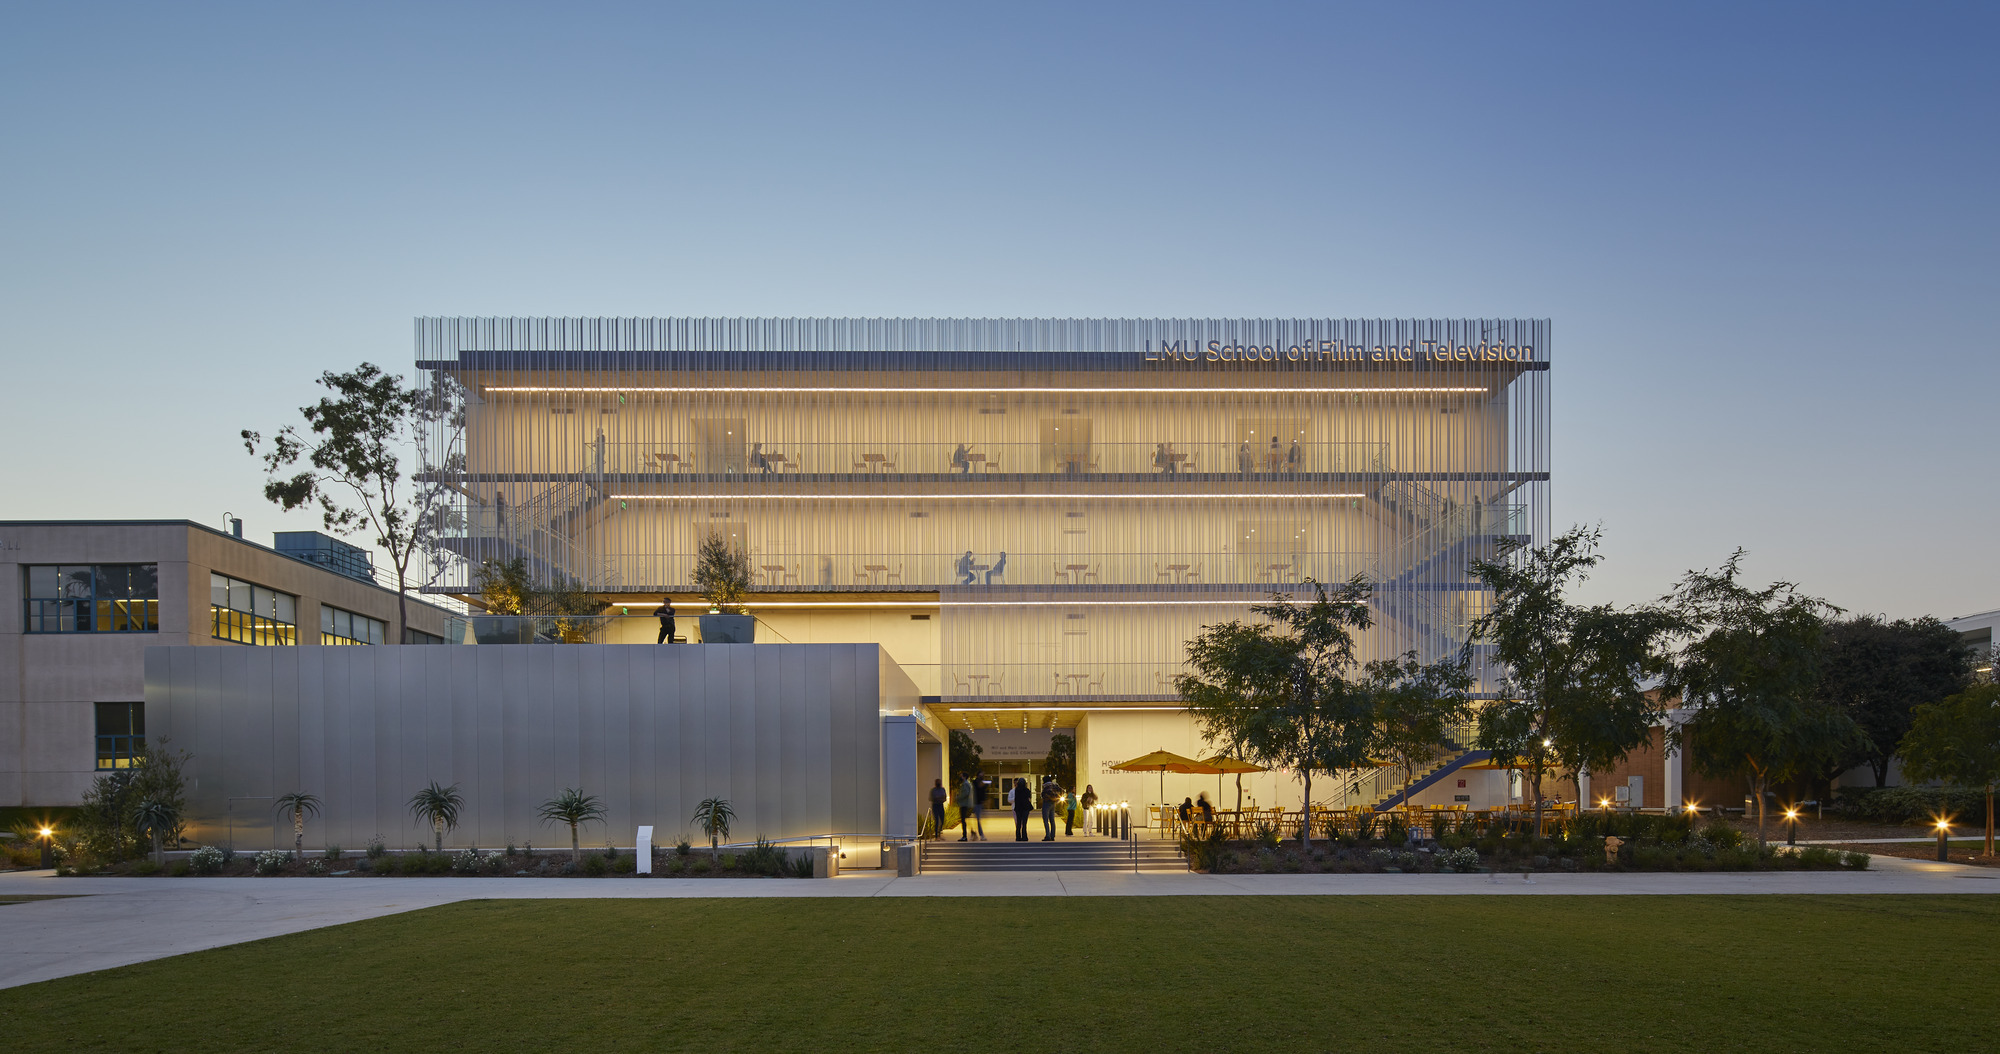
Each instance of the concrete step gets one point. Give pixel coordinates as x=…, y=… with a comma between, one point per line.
x=1094, y=855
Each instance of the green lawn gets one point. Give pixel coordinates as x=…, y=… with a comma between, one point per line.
x=1432, y=974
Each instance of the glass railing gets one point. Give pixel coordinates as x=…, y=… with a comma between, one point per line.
x=931, y=571
x=1164, y=458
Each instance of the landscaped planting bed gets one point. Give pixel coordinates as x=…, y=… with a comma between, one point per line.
x=760, y=861
x=1590, y=843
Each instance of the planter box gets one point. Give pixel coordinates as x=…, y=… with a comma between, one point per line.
x=503, y=629
x=728, y=629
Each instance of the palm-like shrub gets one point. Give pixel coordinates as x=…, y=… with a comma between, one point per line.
x=156, y=817
x=439, y=807
x=301, y=805
x=573, y=807
x=714, y=816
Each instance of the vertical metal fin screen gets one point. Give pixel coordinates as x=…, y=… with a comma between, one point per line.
x=1081, y=494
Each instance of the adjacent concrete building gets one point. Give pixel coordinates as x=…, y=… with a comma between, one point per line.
x=81, y=601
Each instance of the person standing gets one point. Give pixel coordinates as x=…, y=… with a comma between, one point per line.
x=1244, y=459
x=1089, y=796
x=969, y=811
x=938, y=797
x=665, y=613
x=1069, y=814
x=600, y=451
x=1024, y=803
x=1051, y=793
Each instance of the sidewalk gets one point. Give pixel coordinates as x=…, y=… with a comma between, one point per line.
x=102, y=923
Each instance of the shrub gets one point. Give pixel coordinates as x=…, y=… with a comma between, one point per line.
x=1266, y=835
x=681, y=847
x=1201, y=852
x=764, y=858
x=800, y=866
x=1908, y=804
x=385, y=865
x=624, y=865
x=467, y=862
x=595, y=865
x=146, y=867
x=316, y=867
x=1857, y=861
x=333, y=853
x=375, y=848
x=207, y=860
x=272, y=861
x=1463, y=859
x=1722, y=835
x=729, y=861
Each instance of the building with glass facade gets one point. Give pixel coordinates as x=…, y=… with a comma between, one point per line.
x=1031, y=516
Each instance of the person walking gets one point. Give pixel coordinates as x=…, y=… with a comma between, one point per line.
x=665, y=613
x=938, y=796
x=1024, y=803
x=1051, y=793
x=970, y=812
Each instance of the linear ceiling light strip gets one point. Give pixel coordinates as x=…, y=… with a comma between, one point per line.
x=535, y=389
x=1079, y=496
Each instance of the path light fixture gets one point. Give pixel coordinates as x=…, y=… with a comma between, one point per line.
x=48, y=836
x=1943, y=833
x=1792, y=818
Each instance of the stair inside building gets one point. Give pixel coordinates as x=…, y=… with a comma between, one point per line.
x=1092, y=854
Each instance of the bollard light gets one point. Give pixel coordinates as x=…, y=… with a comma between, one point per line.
x=1943, y=832
x=1792, y=830
x=48, y=848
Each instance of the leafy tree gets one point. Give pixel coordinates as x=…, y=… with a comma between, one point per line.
x=157, y=819
x=439, y=807
x=301, y=805
x=1881, y=671
x=105, y=812
x=349, y=465
x=1416, y=704
x=1571, y=693
x=714, y=816
x=965, y=752
x=505, y=587
x=721, y=573
x=573, y=807
x=1061, y=761
x=1957, y=741
x=1752, y=677
x=1287, y=692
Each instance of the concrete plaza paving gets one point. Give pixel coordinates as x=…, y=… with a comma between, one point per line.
x=101, y=923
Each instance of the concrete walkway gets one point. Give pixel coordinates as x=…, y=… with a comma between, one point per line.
x=102, y=923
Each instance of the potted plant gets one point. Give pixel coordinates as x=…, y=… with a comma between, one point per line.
x=722, y=576
x=504, y=589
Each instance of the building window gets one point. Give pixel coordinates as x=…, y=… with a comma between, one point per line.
x=250, y=614
x=121, y=734
x=93, y=598
x=346, y=627
x=417, y=636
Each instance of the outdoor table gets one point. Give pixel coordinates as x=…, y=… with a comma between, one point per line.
x=776, y=571
x=877, y=462
x=874, y=572
x=977, y=462
x=1179, y=569
x=1078, y=572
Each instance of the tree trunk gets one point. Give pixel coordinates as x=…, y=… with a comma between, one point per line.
x=1880, y=766
x=159, y=852
x=1989, y=819
x=1760, y=810
x=1305, y=810
x=1535, y=788
x=437, y=826
x=298, y=833
x=575, y=850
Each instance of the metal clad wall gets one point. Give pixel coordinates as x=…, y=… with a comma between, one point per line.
x=788, y=733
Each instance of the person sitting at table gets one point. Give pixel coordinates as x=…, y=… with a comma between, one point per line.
x=964, y=568
x=757, y=458
x=1163, y=460
x=1186, y=812
x=999, y=567
x=1205, y=808
x=960, y=462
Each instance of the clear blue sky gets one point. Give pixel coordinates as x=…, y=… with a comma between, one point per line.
x=1766, y=233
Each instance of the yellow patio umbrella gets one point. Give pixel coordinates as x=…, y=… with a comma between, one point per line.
x=1163, y=762
x=1224, y=763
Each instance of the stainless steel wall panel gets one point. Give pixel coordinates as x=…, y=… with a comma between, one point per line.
x=793, y=738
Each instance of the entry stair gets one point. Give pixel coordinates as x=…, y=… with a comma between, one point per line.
x=948, y=856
